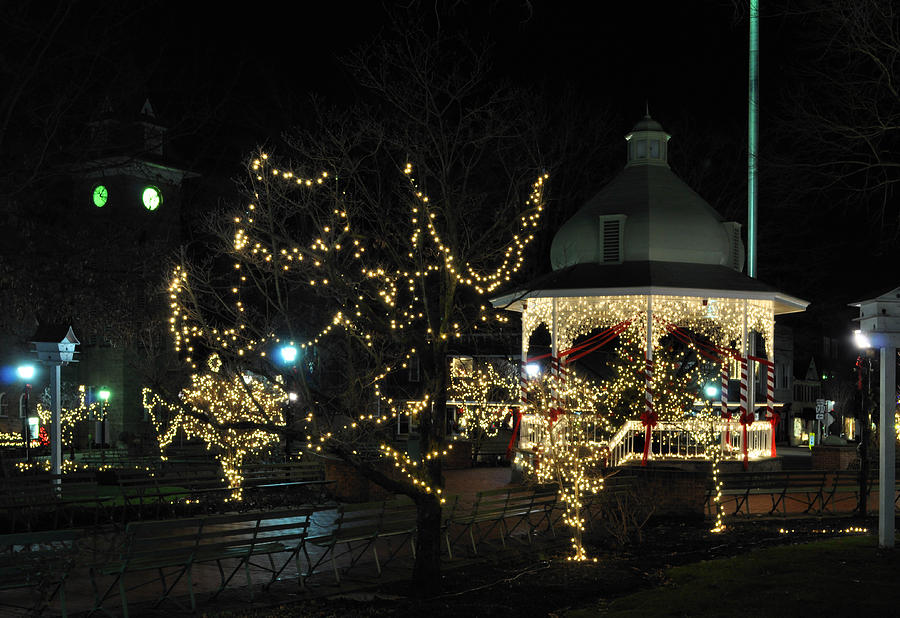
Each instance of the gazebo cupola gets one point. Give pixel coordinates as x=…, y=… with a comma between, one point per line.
x=647, y=143
x=648, y=214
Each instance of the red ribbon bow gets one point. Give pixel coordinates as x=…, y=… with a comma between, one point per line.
x=747, y=418
x=649, y=419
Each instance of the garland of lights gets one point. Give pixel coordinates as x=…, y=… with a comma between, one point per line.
x=568, y=450
x=719, y=319
x=229, y=400
x=336, y=257
x=478, y=391
x=69, y=417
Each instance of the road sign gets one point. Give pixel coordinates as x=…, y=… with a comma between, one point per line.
x=820, y=409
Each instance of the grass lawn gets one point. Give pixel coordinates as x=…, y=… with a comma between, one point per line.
x=847, y=576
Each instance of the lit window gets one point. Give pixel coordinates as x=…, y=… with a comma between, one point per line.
x=641, y=149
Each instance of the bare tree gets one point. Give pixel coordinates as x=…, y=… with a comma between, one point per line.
x=371, y=242
x=845, y=101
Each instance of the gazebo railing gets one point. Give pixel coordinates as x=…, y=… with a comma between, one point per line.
x=688, y=439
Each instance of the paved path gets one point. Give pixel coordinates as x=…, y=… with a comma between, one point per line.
x=465, y=483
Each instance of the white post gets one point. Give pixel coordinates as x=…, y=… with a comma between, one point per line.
x=554, y=334
x=770, y=391
x=750, y=337
x=55, y=430
x=554, y=360
x=886, y=450
x=648, y=372
x=744, y=339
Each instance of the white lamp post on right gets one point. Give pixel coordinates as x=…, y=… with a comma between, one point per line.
x=879, y=322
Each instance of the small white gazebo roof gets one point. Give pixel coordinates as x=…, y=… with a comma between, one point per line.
x=647, y=233
x=650, y=278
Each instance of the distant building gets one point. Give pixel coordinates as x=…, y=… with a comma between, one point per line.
x=114, y=220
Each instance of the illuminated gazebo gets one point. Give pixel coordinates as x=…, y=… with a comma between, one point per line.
x=647, y=257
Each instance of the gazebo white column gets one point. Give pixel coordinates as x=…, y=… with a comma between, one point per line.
x=748, y=349
x=886, y=442
x=879, y=320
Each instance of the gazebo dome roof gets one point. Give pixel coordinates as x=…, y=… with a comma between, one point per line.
x=647, y=124
x=646, y=213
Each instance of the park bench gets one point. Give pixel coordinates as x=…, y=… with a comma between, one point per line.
x=139, y=491
x=625, y=503
x=493, y=508
x=197, y=482
x=783, y=487
x=35, y=501
x=491, y=450
x=232, y=542
x=83, y=500
x=841, y=486
x=40, y=562
x=532, y=511
x=359, y=526
x=105, y=458
x=304, y=471
x=286, y=481
x=29, y=501
x=874, y=484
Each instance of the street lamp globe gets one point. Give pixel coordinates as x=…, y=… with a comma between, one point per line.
x=25, y=372
x=103, y=394
x=288, y=354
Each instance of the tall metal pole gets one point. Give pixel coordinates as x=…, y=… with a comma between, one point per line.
x=753, y=134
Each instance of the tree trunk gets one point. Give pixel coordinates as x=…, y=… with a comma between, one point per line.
x=426, y=580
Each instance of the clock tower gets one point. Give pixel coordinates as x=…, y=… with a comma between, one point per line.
x=127, y=198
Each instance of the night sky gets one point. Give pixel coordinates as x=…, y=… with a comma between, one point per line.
x=226, y=80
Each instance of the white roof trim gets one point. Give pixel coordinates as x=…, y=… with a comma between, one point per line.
x=783, y=302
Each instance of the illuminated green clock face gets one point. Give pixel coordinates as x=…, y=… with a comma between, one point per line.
x=152, y=198
x=101, y=194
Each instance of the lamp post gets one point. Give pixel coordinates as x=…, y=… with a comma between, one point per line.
x=55, y=346
x=26, y=374
x=289, y=354
x=879, y=321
